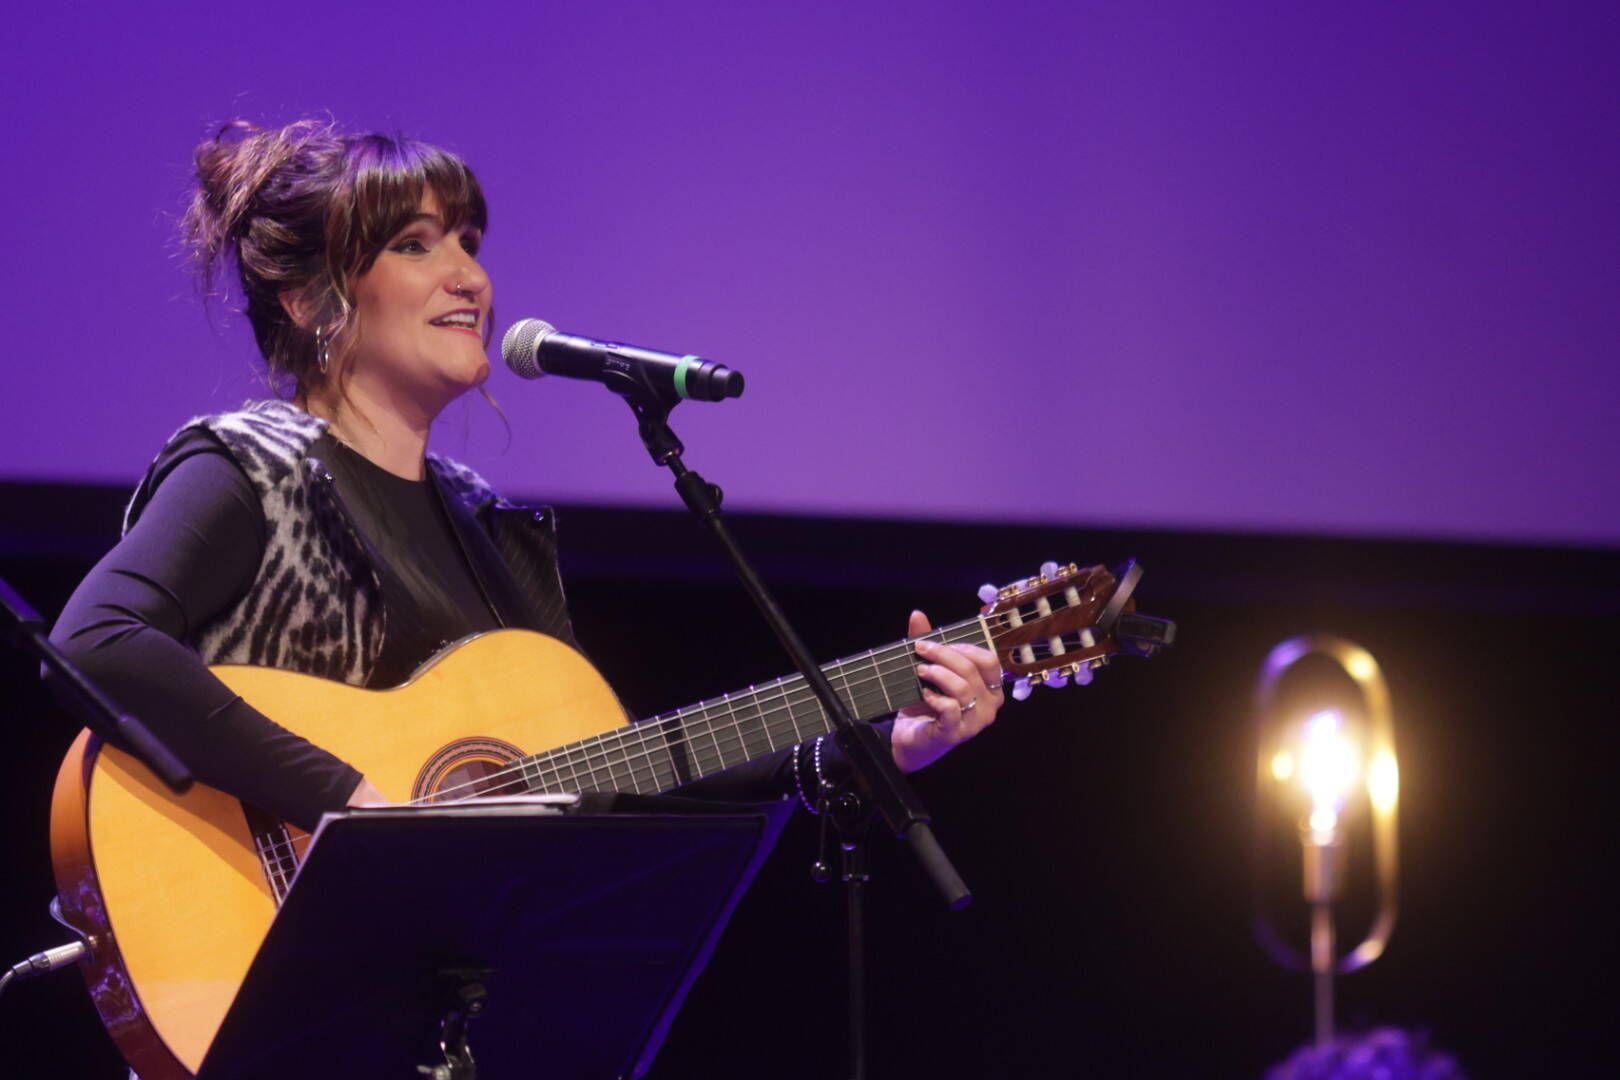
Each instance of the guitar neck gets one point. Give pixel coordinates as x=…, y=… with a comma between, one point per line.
x=664, y=752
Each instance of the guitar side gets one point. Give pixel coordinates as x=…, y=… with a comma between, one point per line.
x=171, y=888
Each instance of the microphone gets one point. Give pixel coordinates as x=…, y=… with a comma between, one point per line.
x=533, y=347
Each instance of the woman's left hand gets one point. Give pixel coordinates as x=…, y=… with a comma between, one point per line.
x=961, y=694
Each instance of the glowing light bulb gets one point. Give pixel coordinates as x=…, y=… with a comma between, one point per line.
x=1282, y=766
x=1329, y=762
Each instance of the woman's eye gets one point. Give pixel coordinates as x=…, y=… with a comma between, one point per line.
x=470, y=244
x=410, y=246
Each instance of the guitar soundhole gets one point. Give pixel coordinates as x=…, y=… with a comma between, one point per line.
x=470, y=767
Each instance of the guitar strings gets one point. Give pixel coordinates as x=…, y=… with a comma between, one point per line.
x=652, y=732
x=569, y=764
x=641, y=739
x=644, y=738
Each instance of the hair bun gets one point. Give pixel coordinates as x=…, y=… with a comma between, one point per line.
x=231, y=169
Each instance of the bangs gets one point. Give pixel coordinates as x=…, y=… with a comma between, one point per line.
x=389, y=176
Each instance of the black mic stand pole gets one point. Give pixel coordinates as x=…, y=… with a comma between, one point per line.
x=878, y=783
x=852, y=820
x=24, y=628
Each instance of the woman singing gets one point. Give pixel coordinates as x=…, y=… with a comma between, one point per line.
x=316, y=533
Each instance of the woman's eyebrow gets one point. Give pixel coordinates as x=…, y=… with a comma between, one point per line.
x=414, y=218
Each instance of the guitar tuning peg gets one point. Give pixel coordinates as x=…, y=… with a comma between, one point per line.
x=988, y=594
x=1084, y=675
x=1021, y=690
x=1087, y=638
x=1057, y=679
x=1049, y=569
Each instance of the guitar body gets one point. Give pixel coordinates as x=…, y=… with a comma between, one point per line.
x=173, y=890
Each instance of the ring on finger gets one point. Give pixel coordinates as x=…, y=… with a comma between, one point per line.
x=969, y=706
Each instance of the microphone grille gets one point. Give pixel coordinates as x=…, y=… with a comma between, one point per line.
x=520, y=348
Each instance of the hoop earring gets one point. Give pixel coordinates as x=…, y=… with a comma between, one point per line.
x=323, y=358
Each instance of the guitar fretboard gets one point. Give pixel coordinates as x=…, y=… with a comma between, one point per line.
x=664, y=752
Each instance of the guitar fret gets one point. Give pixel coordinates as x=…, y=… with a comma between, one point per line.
x=702, y=760
x=812, y=703
x=654, y=751
x=902, y=685
x=783, y=720
x=798, y=736
x=646, y=761
x=888, y=706
x=733, y=727
x=848, y=699
x=852, y=699
x=984, y=629
x=753, y=742
x=612, y=768
x=719, y=751
x=784, y=703
x=763, y=724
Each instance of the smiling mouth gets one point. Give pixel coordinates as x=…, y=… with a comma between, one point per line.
x=465, y=320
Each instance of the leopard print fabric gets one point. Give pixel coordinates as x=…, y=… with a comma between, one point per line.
x=315, y=605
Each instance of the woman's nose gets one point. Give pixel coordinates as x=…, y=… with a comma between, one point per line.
x=468, y=279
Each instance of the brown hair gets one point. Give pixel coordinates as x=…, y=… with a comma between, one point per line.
x=307, y=210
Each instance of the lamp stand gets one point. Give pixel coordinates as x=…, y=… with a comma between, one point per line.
x=1324, y=879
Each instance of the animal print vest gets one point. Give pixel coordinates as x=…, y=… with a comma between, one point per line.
x=316, y=604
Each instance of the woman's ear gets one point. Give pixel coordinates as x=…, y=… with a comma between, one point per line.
x=298, y=306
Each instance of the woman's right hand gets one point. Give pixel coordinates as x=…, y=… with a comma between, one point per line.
x=367, y=795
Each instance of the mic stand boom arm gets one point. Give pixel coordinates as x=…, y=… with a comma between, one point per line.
x=878, y=781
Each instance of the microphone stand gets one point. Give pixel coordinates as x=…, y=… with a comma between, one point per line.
x=22, y=627
x=877, y=781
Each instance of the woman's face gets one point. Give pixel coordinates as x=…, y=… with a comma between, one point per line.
x=424, y=308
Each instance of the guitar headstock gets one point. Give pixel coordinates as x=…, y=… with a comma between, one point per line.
x=1067, y=620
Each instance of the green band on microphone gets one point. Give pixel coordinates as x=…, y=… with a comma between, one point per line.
x=680, y=374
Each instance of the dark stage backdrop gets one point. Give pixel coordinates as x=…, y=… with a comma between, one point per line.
x=1264, y=266
x=1103, y=828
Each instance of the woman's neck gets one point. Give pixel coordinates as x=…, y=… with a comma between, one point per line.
x=390, y=434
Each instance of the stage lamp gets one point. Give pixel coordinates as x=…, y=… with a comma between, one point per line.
x=1323, y=769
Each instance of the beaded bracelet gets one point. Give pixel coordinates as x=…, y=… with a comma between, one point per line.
x=798, y=780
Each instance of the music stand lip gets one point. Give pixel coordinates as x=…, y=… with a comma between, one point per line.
x=593, y=927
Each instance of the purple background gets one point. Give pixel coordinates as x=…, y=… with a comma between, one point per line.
x=1288, y=267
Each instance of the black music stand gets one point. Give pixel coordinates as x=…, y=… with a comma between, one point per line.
x=567, y=940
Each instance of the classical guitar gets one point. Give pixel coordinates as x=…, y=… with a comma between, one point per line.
x=176, y=893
